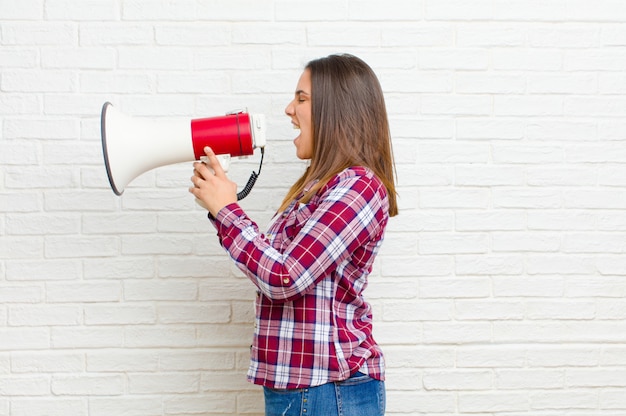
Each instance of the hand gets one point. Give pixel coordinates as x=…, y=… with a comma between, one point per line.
x=211, y=186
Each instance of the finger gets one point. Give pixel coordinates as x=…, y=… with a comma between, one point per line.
x=215, y=163
x=201, y=170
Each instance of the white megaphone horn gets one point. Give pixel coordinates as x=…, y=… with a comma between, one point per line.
x=132, y=146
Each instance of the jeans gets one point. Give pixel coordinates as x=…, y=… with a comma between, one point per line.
x=359, y=395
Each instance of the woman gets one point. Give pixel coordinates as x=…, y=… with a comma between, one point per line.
x=313, y=350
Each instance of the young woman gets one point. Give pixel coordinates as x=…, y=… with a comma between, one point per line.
x=313, y=349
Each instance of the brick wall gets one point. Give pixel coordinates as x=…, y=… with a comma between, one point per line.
x=501, y=286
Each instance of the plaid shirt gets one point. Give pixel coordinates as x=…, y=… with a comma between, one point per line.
x=313, y=325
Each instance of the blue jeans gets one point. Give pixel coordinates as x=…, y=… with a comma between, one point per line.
x=359, y=395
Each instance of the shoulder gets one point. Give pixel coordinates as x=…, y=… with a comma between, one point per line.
x=357, y=175
x=355, y=181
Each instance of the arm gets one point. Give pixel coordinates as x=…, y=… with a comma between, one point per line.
x=351, y=212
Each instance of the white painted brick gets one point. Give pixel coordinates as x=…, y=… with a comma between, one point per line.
x=612, y=355
x=51, y=178
x=442, y=243
x=145, y=290
x=97, y=385
x=472, y=264
x=493, y=402
x=480, y=310
x=570, y=356
x=595, y=378
x=611, y=309
x=267, y=33
x=466, y=287
x=412, y=402
x=423, y=35
x=530, y=10
x=567, y=35
x=525, y=59
x=410, y=311
x=218, y=335
x=19, y=104
x=613, y=399
x=612, y=34
x=446, y=333
x=101, y=82
x=487, y=356
x=193, y=35
x=25, y=338
x=531, y=198
x=47, y=362
x=33, y=224
x=74, y=246
x=18, y=58
x=17, y=152
x=159, y=336
x=127, y=405
x=569, y=83
x=115, y=33
x=42, y=34
x=81, y=337
x=38, y=128
x=49, y=406
x=427, y=82
x=417, y=266
x=122, y=268
x=21, y=247
x=163, y=383
x=601, y=286
x=458, y=10
x=472, y=175
x=208, y=402
x=442, y=59
x=237, y=10
x=115, y=314
x=571, y=399
x=21, y=294
x=518, y=105
x=122, y=360
x=492, y=220
x=458, y=380
x=191, y=360
x=190, y=313
x=484, y=129
x=37, y=315
x=612, y=176
x=555, y=310
x=38, y=81
x=528, y=286
x=559, y=220
x=481, y=83
x=523, y=242
x=462, y=105
x=44, y=270
x=481, y=34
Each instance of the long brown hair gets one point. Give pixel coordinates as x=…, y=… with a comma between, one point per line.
x=350, y=126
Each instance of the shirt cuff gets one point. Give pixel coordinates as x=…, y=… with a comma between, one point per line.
x=227, y=216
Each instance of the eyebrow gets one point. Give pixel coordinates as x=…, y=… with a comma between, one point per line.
x=302, y=92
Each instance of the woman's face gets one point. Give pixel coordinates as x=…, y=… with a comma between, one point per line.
x=299, y=110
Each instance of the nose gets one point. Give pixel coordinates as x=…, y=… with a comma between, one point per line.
x=289, y=110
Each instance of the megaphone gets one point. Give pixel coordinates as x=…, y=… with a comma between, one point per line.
x=132, y=146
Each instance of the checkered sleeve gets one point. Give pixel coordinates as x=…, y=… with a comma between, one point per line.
x=350, y=210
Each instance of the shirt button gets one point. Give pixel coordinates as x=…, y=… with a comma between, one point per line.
x=285, y=280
